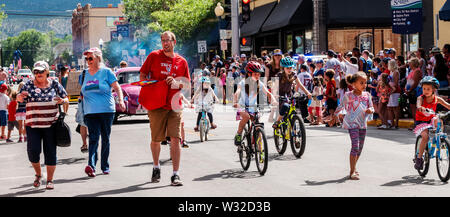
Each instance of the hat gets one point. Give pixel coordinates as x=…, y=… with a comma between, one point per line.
x=435, y=50
x=331, y=53
x=95, y=50
x=277, y=52
x=41, y=66
x=309, y=60
x=319, y=61
x=217, y=57
x=3, y=87
x=301, y=57
x=243, y=55
x=349, y=54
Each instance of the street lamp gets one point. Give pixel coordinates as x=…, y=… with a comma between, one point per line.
x=219, y=11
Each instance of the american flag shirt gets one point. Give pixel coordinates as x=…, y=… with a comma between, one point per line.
x=41, y=109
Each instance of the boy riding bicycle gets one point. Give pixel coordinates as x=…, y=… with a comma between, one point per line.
x=247, y=92
x=428, y=100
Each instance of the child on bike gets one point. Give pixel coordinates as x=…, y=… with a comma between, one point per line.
x=358, y=106
x=428, y=100
x=247, y=95
x=287, y=80
x=316, y=102
x=204, y=98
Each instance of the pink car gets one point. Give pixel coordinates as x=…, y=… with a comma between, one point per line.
x=125, y=77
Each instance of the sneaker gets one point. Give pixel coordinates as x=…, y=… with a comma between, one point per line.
x=176, y=180
x=156, y=175
x=237, y=140
x=89, y=171
x=20, y=140
x=25, y=139
x=419, y=164
x=213, y=126
x=106, y=172
x=164, y=142
x=382, y=127
x=9, y=140
x=184, y=145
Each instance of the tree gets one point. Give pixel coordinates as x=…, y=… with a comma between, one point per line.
x=2, y=14
x=138, y=11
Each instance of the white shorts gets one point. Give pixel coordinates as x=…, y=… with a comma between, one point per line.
x=21, y=116
x=393, y=100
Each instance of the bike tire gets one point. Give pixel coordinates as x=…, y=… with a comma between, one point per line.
x=425, y=157
x=245, y=156
x=201, y=131
x=261, y=155
x=281, y=148
x=299, y=136
x=206, y=131
x=441, y=164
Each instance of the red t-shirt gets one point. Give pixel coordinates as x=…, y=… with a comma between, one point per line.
x=159, y=67
x=12, y=110
x=331, y=86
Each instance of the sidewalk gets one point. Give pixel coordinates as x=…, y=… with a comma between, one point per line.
x=402, y=123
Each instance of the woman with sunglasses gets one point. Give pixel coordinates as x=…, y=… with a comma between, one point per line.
x=99, y=107
x=41, y=96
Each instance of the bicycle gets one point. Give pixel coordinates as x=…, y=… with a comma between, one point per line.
x=437, y=147
x=254, y=143
x=204, y=125
x=291, y=128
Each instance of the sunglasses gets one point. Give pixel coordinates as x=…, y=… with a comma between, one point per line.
x=38, y=72
x=89, y=58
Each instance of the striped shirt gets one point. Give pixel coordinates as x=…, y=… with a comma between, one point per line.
x=41, y=109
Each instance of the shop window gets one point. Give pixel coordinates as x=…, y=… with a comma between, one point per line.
x=299, y=42
x=308, y=41
x=289, y=43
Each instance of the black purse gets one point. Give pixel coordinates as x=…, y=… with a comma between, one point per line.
x=62, y=130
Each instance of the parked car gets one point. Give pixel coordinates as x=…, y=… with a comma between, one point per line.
x=52, y=75
x=125, y=77
x=24, y=75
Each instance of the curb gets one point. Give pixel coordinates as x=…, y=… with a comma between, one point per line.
x=402, y=123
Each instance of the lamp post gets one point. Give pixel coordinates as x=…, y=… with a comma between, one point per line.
x=219, y=11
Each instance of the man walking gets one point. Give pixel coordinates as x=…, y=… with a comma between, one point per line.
x=166, y=65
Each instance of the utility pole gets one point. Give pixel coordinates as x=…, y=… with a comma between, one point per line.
x=235, y=28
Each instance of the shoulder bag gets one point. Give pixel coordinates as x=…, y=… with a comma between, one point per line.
x=62, y=130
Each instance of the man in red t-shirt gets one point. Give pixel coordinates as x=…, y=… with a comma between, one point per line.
x=166, y=65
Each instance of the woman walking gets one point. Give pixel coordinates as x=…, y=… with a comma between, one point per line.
x=42, y=96
x=99, y=108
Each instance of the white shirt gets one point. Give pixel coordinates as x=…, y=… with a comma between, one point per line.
x=4, y=101
x=351, y=68
x=306, y=79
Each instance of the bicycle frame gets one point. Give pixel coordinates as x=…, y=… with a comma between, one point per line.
x=434, y=143
x=286, y=120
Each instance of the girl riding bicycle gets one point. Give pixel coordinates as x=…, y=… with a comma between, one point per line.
x=204, y=98
x=358, y=106
x=286, y=82
x=248, y=94
x=428, y=100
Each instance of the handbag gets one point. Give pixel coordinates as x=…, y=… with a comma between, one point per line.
x=62, y=130
x=80, y=114
x=154, y=96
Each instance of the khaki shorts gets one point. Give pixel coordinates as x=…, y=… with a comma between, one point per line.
x=164, y=123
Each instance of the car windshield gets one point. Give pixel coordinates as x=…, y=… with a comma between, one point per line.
x=128, y=77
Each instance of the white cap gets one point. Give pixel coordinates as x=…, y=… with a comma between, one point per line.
x=243, y=55
x=41, y=66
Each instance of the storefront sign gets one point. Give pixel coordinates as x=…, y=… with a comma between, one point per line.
x=365, y=41
x=406, y=16
x=223, y=45
x=123, y=30
x=201, y=46
x=246, y=48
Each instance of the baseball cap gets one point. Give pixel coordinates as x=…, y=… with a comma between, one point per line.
x=243, y=55
x=277, y=52
x=95, y=50
x=309, y=60
x=435, y=50
x=3, y=87
x=331, y=53
x=319, y=61
x=41, y=66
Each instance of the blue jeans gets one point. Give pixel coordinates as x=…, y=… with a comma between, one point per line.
x=99, y=125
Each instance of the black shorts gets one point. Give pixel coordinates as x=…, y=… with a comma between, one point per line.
x=331, y=104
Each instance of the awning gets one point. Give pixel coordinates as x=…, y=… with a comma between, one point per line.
x=257, y=18
x=359, y=12
x=444, y=13
x=289, y=12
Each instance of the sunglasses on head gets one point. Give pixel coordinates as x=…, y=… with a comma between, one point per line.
x=38, y=72
x=89, y=58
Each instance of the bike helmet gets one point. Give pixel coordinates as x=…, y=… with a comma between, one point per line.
x=206, y=72
x=205, y=80
x=430, y=80
x=254, y=67
x=287, y=62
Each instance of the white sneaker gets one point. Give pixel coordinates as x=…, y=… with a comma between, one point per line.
x=382, y=127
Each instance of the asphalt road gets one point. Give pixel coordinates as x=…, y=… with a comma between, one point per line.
x=212, y=168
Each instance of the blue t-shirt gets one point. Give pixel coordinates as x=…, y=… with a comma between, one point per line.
x=320, y=72
x=96, y=90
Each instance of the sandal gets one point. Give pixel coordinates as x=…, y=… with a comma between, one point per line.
x=354, y=176
x=84, y=149
x=50, y=185
x=37, y=181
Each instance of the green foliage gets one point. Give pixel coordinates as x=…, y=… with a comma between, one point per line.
x=139, y=11
x=2, y=14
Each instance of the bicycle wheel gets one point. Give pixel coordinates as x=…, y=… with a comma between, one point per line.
x=442, y=161
x=202, y=128
x=261, y=151
x=206, y=130
x=298, y=138
x=244, y=150
x=278, y=138
x=425, y=157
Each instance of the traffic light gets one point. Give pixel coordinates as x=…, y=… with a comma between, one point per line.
x=245, y=41
x=245, y=10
